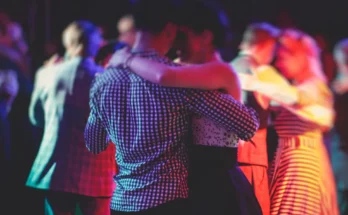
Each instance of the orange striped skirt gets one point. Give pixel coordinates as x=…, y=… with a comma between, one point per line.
x=301, y=179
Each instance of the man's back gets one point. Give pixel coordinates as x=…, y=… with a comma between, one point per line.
x=149, y=125
x=60, y=104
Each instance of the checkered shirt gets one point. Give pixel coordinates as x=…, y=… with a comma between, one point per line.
x=60, y=102
x=150, y=126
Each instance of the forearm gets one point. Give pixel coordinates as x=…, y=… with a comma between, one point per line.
x=95, y=136
x=282, y=94
x=320, y=115
x=227, y=112
x=210, y=76
x=246, y=121
x=317, y=108
x=149, y=70
x=238, y=119
x=313, y=105
x=325, y=118
x=36, y=111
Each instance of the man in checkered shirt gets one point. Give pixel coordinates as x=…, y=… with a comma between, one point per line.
x=150, y=124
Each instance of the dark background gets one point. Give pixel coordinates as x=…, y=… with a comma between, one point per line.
x=44, y=20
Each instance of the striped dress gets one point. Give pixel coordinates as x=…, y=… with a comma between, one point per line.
x=301, y=180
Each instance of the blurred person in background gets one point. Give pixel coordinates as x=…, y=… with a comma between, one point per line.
x=9, y=87
x=13, y=44
x=67, y=172
x=21, y=148
x=256, y=50
x=339, y=134
x=301, y=181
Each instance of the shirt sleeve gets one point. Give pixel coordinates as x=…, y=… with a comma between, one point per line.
x=224, y=110
x=95, y=133
x=36, y=111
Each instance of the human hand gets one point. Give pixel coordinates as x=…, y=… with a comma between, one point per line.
x=53, y=60
x=340, y=86
x=247, y=81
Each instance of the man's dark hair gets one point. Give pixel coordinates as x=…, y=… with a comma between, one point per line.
x=209, y=15
x=153, y=15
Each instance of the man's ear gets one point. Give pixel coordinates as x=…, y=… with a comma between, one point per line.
x=207, y=37
x=170, y=31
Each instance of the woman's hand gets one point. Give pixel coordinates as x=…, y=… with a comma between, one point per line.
x=119, y=57
x=340, y=86
x=53, y=60
x=247, y=81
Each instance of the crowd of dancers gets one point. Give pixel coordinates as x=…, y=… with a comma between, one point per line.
x=158, y=123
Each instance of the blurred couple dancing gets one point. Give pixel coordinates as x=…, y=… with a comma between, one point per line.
x=178, y=127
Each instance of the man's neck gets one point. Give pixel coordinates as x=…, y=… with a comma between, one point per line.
x=216, y=57
x=146, y=41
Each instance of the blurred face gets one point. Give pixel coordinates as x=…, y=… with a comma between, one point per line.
x=265, y=52
x=70, y=39
x=127, y=32
x=195, y=47
x=290, y=60
x=341, y=60
x=74, y=48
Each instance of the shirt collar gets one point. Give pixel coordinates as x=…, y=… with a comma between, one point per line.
x=144, y=53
